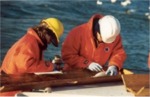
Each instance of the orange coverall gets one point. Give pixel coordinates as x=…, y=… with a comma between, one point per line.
x=26, y=56
x=79, y=48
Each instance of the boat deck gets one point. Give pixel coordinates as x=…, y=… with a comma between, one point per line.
x=76, y=84
x=94, y=90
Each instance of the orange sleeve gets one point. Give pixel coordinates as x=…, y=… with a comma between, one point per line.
x=71, y=51
x=28, y=61
x=118, y=56
x=28, y=64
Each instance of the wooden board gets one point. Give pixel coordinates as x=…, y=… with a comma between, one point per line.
x=144, y=91
x=137, y=84
x=32, y=81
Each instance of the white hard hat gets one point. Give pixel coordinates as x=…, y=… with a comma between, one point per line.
x=109, y=28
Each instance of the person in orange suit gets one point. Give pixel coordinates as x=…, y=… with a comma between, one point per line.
x=95, y=45
x=26, y=55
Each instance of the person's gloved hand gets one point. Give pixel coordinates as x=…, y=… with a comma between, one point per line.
x=112, y=70
x=94, y=67
x=57, y=61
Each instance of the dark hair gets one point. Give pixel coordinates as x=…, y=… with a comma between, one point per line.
x=95, y=27
x=42, y=30
x=95, y=30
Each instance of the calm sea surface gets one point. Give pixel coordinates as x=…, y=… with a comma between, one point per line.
x=18, y=16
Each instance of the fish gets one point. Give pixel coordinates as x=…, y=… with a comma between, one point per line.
x=100, y=74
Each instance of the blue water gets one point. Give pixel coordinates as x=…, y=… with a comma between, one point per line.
x=18, y=16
